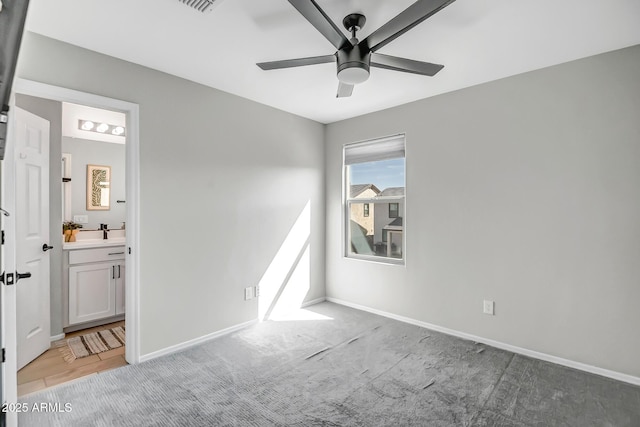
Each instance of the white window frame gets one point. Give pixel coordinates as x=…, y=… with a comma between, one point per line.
x=347, y=201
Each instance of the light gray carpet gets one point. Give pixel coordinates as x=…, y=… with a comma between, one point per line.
x=373, y=371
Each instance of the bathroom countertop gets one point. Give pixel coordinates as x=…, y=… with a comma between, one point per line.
x=94, y=243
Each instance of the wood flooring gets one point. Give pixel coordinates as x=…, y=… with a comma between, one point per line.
x=50, y=369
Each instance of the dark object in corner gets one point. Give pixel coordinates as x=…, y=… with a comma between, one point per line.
x=12, y=17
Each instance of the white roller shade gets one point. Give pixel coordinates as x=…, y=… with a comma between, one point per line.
x=372, y=151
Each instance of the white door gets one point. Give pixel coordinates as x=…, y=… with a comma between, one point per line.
x=32, y=236
x=92, y=292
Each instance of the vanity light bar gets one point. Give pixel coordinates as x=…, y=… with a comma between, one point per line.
x=103, y=128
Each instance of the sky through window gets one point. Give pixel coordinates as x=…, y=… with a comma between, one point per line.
x=383, y=173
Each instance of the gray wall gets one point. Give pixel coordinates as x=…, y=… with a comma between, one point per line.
x=86, y=152
x=52, y=111
x=222, y=181
x=525, y=191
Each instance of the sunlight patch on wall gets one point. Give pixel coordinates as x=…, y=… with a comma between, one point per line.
x=287, y=280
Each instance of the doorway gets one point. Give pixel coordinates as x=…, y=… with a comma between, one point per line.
x=129, y=243
x=84, y=294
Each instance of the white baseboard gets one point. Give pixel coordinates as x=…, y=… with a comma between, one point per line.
x=512, y=348
x=313, y=302
x=214, y=335
x=196, y=341
x=57, y=337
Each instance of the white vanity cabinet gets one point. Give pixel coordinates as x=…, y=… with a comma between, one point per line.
x=96, y=284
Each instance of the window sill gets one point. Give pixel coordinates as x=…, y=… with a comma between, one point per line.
x=377, y=259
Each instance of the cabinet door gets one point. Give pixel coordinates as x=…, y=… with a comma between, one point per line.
x=120, y=288
x=91, y=292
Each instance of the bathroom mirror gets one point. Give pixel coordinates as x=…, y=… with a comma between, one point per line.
x=98, y=187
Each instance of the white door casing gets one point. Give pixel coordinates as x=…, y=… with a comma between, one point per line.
x=32, y=233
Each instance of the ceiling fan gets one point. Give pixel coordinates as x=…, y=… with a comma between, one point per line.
x=354, y=57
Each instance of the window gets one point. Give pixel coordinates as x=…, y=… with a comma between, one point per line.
x=393, y=210
x=374, y=199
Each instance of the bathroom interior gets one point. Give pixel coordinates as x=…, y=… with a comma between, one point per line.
x=87, y=212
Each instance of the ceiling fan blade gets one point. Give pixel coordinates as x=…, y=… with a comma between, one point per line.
x=319, y=19
x=299, y=62
x=405, y=65
x=344, y=90
x=403, y=22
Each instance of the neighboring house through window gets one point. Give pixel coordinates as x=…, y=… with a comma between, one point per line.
x=393, y=210
x=375, y=181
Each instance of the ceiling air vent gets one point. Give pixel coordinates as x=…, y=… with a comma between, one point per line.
x=201, y=5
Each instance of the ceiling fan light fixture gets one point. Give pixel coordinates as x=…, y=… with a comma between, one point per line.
x=353, y=65
x=353, y=75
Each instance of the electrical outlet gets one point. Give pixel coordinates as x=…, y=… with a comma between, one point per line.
x=257, y=291
x=248, y=293
x=489, y=307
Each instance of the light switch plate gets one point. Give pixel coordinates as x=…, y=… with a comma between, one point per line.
x=81, y=219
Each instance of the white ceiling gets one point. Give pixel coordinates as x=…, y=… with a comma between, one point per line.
x=476, y=40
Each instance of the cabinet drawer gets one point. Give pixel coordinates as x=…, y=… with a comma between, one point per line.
x=82, y=256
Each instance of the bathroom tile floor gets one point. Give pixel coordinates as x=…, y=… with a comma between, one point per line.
x=50, y=369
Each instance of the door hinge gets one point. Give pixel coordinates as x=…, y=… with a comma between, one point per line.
x=4, y=353
x=2, y=238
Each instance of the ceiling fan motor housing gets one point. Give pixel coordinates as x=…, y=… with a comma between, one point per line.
x=353, y=65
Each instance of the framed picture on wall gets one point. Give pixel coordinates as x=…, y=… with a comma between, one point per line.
x=98, y=188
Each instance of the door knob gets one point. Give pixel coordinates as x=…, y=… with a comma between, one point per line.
x=22, y=276
x=46, y=247
x=9, y=279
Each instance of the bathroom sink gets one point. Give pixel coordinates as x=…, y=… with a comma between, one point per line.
x=94, y=243
x=94, y=239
